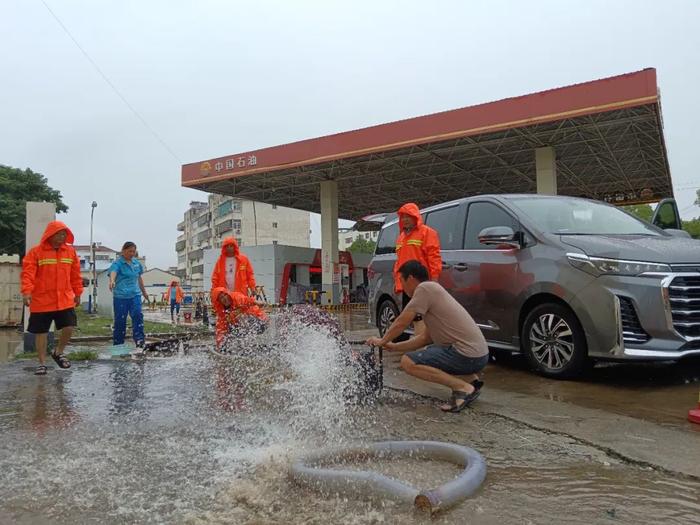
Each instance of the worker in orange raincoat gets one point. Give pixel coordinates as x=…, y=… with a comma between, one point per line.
x=236, y=314
x=174, y=296
x=233, y=270
x=416, y=242
x=51, y=288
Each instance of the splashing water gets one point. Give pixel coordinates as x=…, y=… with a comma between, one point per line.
x=301, y=362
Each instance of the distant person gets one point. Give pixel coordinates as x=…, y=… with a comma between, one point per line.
x=174, y=295
x=416, y=242
x=51, y=287
x=205, y=310
x=127, y=286
x=233, y=270
x=455, y=345
x=236, y=315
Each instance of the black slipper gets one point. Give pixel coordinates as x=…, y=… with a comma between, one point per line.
x=467, y=399
x=40, y=370
x=61, y=360
x=477, y=384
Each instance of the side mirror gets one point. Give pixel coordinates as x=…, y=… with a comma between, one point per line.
x=499, y=236
x=666, y=215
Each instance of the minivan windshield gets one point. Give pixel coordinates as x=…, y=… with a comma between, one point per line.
x=581, y=217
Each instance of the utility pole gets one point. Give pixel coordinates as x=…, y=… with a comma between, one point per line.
x=92, y=260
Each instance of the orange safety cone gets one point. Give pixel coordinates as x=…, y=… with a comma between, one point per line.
x=694, y=414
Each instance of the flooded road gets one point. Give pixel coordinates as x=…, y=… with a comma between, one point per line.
x=208, y=439
x=658, y=392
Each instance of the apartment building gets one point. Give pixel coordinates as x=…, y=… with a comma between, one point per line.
x=206, y=224
x=347, y=237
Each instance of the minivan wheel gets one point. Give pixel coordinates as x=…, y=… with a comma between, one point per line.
x=386, y=314
x=554, y=342
x=388, y=311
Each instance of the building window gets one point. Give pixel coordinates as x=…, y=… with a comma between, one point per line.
x=224, y=208
x=236, y=205
x=224, y=227
x=366, y=235
x=239, y=241
x=348, y=240
x=274, y=242
x=274, y=225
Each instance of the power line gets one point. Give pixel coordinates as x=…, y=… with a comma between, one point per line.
x=110, y=84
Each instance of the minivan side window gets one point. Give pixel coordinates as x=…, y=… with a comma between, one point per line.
x=446, y=222
x=387, y=239
x=485, y=215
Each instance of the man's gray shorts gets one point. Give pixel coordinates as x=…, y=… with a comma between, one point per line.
x=448, y=359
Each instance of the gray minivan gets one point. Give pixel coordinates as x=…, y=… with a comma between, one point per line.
x=561, y=279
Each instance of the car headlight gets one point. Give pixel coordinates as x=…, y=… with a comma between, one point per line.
x=602, y=266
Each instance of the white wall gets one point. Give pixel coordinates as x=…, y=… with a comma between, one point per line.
x=104, y=295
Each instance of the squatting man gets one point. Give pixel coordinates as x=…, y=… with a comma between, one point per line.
x=455, y=349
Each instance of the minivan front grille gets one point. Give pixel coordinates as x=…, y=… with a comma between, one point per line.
x=684, y=296
x=632, y=331
x=686, y=267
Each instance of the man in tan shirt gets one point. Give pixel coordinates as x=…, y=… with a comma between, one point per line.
x=455, y=345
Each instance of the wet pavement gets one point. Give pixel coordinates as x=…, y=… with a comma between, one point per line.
x=172, y=440
x=201, y=438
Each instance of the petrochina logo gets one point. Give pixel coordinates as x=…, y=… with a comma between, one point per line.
x=205, y=169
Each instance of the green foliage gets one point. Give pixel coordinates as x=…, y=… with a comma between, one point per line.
x=98, y=325
x=361, y=245
x=692, y=227
x=697, y=200
x=16, y=188
x=643, y=211
x=82, y=355
x=27, y=355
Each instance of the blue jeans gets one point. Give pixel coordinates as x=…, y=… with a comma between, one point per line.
x=174, y=307
x=122, y=308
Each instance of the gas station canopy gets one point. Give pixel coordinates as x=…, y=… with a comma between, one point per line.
x=606, y=137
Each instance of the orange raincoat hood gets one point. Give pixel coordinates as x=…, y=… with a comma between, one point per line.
x=53, y=228
x=229, y=241
x=411, y=210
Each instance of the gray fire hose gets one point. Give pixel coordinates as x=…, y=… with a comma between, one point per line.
x=307, y=471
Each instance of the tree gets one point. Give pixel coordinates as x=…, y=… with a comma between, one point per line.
x=692, y=227
x=16, y=188
x=361, y=245
x=643, y=211
x=697, y=199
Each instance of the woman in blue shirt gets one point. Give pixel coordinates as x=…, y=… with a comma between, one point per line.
x=127, y=286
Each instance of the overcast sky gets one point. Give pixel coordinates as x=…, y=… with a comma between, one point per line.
x=212, y=78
